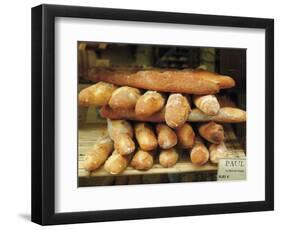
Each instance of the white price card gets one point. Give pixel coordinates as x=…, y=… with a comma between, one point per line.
x=231, y=169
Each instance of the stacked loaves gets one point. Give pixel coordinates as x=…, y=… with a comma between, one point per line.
x=149, y=114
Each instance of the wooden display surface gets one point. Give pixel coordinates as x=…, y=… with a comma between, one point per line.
x=88, y=134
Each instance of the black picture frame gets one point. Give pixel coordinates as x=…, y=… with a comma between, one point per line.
x=43, y=110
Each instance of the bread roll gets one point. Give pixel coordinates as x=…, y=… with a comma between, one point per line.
x=177, y=110
x=199, y=154
x=212, y=132
x=208, y=104
x=225, y=115
x=145, y=137
x=96, y=95
x=149, y=103
x=142, y=160
x=116, y=163
x=124, y=98
x=168, y=157
x=166, y=137
x=121, y=132
x=217, y=152
x=187, y=81
x=98, y=154
x=186, y=136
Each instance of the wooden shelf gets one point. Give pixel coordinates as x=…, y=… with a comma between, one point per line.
x=88, y=134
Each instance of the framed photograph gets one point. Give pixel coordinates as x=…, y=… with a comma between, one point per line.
x=143, y=114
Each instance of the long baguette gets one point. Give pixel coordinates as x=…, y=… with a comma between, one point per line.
x=225, y=115
x=185, y=81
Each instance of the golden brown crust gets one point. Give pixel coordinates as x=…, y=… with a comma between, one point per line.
x=212, y=132
x=142, y=160
x=96, y=95
x=168, y=157
x=98, y=154
x=145, y=136
x=199, y=154
x=177, y=110
x=124, y=144
x=116, y=163
x=208, y=104
x=149, y=103
x=124, y=98
x=217, y=152
x=225, y=115
x=166, y=137
x=186, y=81
x=186, y=136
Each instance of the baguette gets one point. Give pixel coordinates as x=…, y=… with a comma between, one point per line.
x=217, y=152
x=212, y=132
x=168, y=157
x=208, y=104
x=225, y=115
x=121, y=132
x=149, y=103
x=186, y=81
x=98, y=154
x=124, y=98
x=145, y=137
x=142, y=160
x=177, y=110
x=186, y=136
x=116, y=163
x=96, y=95
x=166, y=137
x=199, y=154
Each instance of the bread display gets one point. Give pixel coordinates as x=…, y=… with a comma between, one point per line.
x=98, y=94
x=149, y=103
x=145, y=136
x=177, y=110
x=124, y=98
x=212, y=132
x=158, y=118
x=168, y=157
x=208, y=104
x=166, y=137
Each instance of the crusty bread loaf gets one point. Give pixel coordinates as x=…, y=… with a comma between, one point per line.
x=217, y=152
x=149, y=103
x=116, y=163
x=225, y=115
x=177, y=110
x=166, y=137
x=142, y=160
x=207, y=104
x=121, y=132
x=199, y=154
x=212, y=132
x=96, y=95
x=168, y=157
x=176, y=81
x=97, y=155
x=186, y=136
x=145, y=136
x=124, y=98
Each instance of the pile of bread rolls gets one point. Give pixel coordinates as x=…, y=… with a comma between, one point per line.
x=154, y=113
